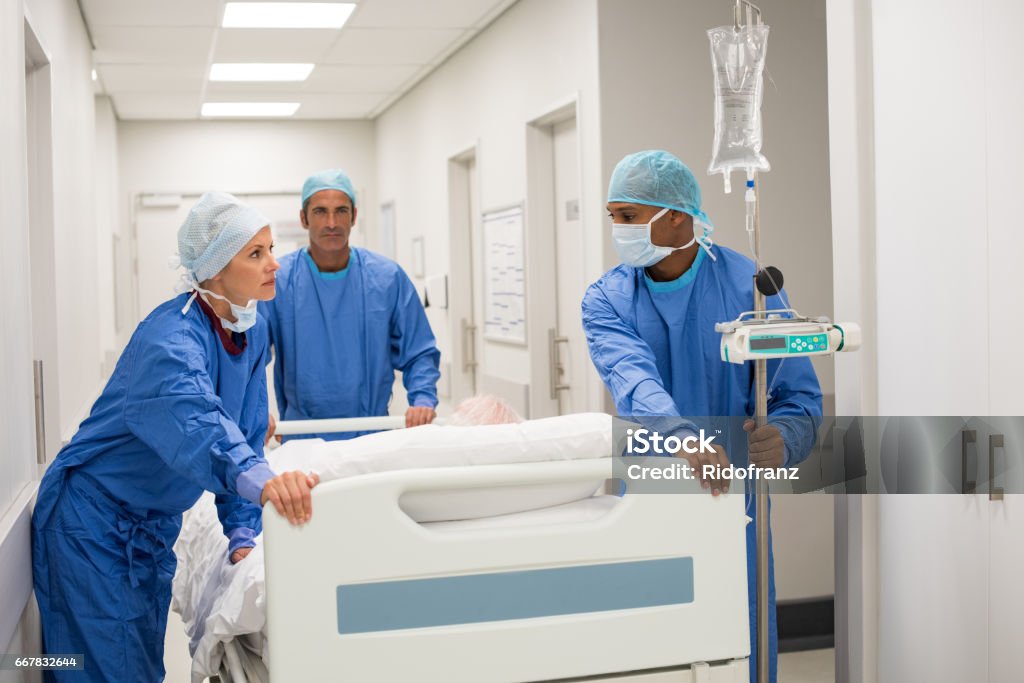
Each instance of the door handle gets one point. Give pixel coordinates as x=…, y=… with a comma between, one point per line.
x=994, y=492
x=40, y=403
x=555, y=369
x=468, y=346
x=966, y=436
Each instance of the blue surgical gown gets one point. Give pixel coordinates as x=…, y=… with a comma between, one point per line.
x=655, y=346
x=180, y=414
x=339, y=337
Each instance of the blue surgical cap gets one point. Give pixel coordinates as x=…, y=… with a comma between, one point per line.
x=331, y=179
x=216, y=229
x=656, y=178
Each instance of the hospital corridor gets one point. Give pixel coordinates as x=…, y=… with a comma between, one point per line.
x=496, y=341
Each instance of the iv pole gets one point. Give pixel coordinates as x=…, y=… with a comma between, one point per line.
x=761, y=484
x=768, y=282
x=760, y=417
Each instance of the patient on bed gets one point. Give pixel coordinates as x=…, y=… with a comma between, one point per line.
x=483, y=410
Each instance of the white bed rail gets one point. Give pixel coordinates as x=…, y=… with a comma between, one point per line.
x=343, y=424
x=360, y=537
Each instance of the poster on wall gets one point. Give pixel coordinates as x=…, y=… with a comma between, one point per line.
x=504, y=276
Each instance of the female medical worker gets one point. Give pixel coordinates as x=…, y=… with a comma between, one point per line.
x=650, y=326
x=185, y=410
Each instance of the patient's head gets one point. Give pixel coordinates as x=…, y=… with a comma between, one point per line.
x=483, y=410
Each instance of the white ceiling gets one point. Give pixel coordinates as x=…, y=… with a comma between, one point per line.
x=153, y=57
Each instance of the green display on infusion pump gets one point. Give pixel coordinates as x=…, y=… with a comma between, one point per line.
x=794, y=344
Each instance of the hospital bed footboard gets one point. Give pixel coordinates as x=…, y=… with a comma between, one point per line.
x=653, y=590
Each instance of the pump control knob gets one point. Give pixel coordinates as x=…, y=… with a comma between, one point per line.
x=769, y=280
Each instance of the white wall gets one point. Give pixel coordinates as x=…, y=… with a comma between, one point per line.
x=78, y=279
x=851, y=151
x=17, y=459
x=947, y=179
x=532, y=58
x=17, y=414
x=931, y=164
x=109, y=236
x=242, y=156
x=934, y=151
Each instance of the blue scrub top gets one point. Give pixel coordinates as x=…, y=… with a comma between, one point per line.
x=655, y=346
x=180, y=414
x=339, y=337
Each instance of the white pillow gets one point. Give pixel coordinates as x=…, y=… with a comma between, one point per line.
x=569, y=437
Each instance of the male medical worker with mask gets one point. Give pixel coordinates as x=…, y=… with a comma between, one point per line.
x=344, y=320
x=185, y=410
x=650, y=326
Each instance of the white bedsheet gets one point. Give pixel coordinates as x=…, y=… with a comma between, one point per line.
x=219, y=601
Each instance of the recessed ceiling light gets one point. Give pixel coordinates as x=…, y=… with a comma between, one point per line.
x=249, y=108
x=286, y=14
x=94, y=76
x=260, y=72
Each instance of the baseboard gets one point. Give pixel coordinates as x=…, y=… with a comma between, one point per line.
x=807, y=624
x=15, y=561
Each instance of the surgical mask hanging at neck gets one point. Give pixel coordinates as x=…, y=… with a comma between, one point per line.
x=245, y=316
x=634, y=246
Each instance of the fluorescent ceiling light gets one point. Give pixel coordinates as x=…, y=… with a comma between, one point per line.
x=286, y=14
x=249, y=108
x=260, y=72
x=94, y=76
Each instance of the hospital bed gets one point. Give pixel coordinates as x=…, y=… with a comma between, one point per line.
x=645, y=588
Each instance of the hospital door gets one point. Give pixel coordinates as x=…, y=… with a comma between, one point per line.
x=570, y=362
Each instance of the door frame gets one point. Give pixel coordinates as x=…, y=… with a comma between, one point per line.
x=463, y=369
x=542, y=311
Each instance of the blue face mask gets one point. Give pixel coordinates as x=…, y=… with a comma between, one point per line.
x=245, y=316
x=633, y=243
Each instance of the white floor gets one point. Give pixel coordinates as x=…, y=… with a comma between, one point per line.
x=813, y=666
x=177, y=660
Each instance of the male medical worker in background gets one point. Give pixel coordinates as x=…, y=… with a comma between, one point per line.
x=344, y=319
x=185, y=410
x=650, y=326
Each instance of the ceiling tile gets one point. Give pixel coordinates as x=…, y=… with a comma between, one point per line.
x=224, y=91
x=391, y=46
x=322, y=106
x=156, y=106
x=153, y=56
x=118, y=44
x=273, y=45
x=151, y=78
x=249, y=94
x=153, y=12
x=366, y=79
x=419, y=14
